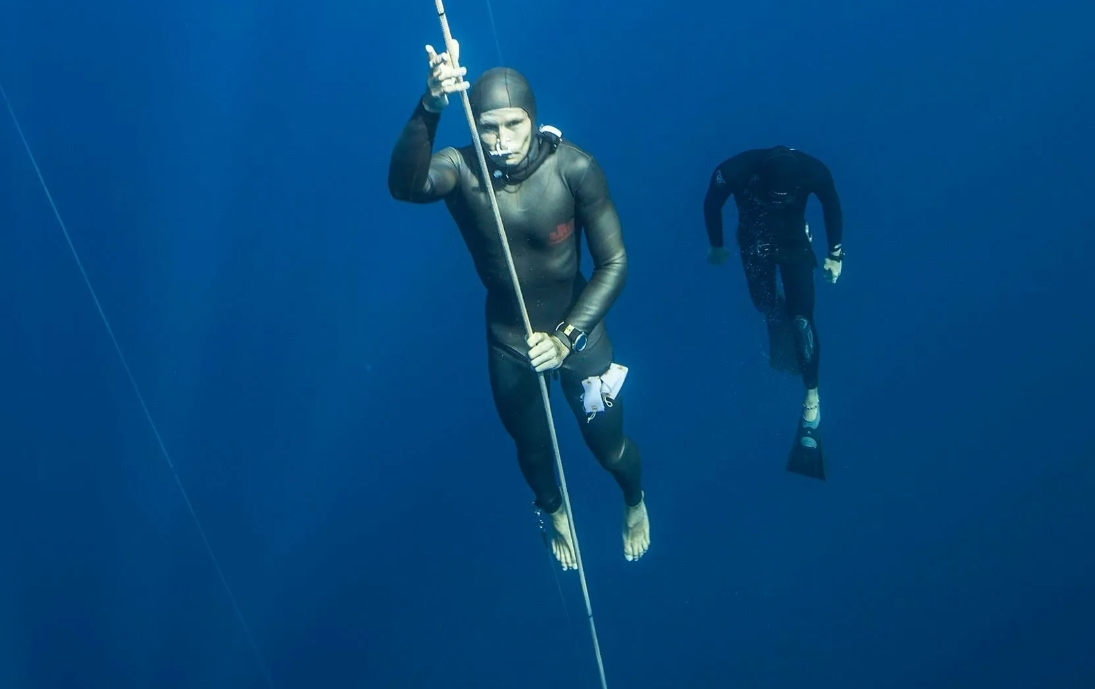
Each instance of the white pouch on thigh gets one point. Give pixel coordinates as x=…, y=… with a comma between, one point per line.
x=598, y=392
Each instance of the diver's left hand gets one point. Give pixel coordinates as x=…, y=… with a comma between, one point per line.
x=833, y=264
x=546, y=352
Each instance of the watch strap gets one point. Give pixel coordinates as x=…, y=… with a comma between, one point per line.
x=570, y=333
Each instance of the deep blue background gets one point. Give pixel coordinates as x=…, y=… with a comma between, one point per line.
x=302, y=343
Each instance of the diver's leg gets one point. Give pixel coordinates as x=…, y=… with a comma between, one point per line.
x=617, y=453
x=807, y=457
x=760, y=275
x=798, y=289
x=520, y=407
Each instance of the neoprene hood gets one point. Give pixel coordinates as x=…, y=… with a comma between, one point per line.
x=502, y=87
x=779, y=171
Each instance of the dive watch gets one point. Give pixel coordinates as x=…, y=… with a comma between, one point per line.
x=575, y=337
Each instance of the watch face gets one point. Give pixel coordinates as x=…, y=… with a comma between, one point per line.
x=580, y=342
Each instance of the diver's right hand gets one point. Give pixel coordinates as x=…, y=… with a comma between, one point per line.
x=444, y=78
x=718, y=255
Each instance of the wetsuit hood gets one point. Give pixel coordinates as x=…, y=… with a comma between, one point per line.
x=502, y=87
x=505, y=87
x=779, y=172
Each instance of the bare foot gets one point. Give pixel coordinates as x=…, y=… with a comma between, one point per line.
x=636, y=531
x=561, y=543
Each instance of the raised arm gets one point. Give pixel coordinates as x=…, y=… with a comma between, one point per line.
x=415, y=173
x=595, y=212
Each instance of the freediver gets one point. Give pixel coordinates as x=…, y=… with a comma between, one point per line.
x=770, y=187
x=549, y=191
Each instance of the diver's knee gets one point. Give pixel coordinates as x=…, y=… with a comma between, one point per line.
x=619, y=454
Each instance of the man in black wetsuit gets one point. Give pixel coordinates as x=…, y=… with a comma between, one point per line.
x=549, y=192
x=771, y=187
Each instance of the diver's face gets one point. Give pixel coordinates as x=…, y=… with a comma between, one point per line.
x=506, y=134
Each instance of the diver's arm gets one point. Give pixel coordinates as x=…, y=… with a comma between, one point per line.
x=414, y=174
x=825, y=190
x=725, y=181
x=594, y=210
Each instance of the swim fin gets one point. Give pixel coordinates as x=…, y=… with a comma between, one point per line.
x=782, y=352
x=807, y=456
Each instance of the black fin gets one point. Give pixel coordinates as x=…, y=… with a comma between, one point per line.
x=807, y=455
x=782, y=352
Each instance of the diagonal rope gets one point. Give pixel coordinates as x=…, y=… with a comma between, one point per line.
x=528, y=331
x=140, y=397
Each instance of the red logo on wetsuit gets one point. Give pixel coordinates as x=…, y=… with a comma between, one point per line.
x=562, y=233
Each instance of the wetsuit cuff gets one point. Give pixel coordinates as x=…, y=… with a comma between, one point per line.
x=423, y=111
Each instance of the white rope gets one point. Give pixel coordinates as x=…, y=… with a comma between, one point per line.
x=140, y=398
x=528, y=330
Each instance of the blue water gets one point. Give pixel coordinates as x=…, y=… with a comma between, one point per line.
x=309, y=350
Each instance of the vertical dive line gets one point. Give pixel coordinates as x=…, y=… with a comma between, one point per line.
x=137, y=390
x=550, y=556
x=494, y=30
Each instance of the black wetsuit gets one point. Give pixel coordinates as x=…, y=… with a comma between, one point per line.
x=771, y=187
x=544, y=216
